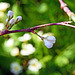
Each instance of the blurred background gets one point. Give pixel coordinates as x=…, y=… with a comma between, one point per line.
x=24, y=53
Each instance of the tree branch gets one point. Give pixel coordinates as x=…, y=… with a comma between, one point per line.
x=36, y=27
x=63, y=6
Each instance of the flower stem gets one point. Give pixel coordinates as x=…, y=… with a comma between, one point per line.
x=38, y=35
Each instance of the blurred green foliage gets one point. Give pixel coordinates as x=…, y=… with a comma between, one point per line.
x=60, y=59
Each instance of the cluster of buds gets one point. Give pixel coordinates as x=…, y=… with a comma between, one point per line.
x=10, y=21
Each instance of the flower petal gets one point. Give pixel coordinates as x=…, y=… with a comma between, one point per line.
x=52, y=39
x=48, y=44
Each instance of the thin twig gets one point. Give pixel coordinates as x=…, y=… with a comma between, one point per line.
x=36, y=27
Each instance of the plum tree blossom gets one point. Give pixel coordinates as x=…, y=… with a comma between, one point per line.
x=16, y=68
x=1, y=26
x=14, y=51
x=49, y=41
x=9, y=42
x=27, y=50
x=34, y=65
x=25, y=37
x=4, y=6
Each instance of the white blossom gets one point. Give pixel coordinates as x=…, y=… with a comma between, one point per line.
x=1, y=14
x=16, y=68
x=9, y=42
x=1, y=26
x=4, y=6
x=27, y=50
x=19, y=18
x=34, y=65
x=49, y=41
x=10, y=14
x=12, y=22
x=15, y=51
x=47, y=34
x=25, y=37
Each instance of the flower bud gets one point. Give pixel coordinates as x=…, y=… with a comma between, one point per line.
x=10, y=14
x=19, y=18
x=12, y=22
x=48, y=41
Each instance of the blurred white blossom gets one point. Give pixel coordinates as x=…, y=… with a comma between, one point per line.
x=41, y=34
x=27, y=50
x=34, y=65
x=16, y=68
x=1, y=14
x=47, y=34
x=19, y=18
x=15, y=51
x=43, y=8
x=12, y=22
x=49, y=41
x=9, y=42
x=25, y=37
x=1, y=26
x=4, y=6
x=10, y=14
